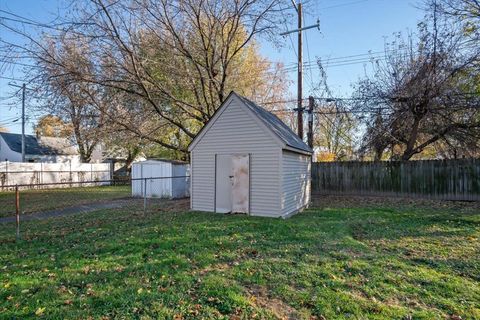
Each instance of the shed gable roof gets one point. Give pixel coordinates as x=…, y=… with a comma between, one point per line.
x=268, y=119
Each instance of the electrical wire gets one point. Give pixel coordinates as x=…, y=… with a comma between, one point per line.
x=13, y=79
x=310, y=74
x=343, y=4
x=24, y=20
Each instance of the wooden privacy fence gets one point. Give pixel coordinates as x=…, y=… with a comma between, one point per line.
x=436, y=179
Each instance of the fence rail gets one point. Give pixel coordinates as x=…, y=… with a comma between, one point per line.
x=435, y=179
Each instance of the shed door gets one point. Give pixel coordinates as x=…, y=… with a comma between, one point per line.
x=240, y=183
x=232, y=184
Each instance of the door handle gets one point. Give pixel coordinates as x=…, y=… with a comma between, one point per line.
x=230, y=177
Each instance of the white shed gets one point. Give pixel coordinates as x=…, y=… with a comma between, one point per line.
x=168, y=187
x=245, y=159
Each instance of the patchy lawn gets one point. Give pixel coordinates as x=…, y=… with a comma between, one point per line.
x=49, y=199
x=333, y=263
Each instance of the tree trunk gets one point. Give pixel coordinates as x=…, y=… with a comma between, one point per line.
x=409, y=150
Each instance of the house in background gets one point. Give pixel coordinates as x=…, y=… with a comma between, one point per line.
x=37, y=149
x=245, y=159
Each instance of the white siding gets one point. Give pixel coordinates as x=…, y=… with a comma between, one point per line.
x=7, y=154
x=296, y=181
x=180, y=186
x=160, y=188
x=237, y=132
x=155, y=188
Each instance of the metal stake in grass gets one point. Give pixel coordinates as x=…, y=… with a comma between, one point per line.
x=17, y=211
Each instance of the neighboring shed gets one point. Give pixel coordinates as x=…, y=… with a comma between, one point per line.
x=245, y=159
x=168, y=187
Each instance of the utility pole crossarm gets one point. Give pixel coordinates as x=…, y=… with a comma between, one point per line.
x=317, y=25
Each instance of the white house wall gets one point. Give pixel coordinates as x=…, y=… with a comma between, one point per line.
x=7, y=154
x=296, y=182
x=237, y=132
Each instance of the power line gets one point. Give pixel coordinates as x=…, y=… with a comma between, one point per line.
x=10, y=78
x=342, y=63
x=20, y=64
x=310, y=74
x=344, y=4
x=358, y=58
x=34, y=23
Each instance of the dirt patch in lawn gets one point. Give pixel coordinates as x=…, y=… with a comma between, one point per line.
x=260, y=298
x=176, y=205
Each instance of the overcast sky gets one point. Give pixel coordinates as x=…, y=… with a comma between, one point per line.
x=347, y=28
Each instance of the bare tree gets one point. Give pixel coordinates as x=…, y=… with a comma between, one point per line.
x=466, y=11
x=178, y=59
x=65, y=96
x=421, y=95
x=334, y=126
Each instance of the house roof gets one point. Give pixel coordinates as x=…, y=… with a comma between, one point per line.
x=283, y=131
x=38, y=146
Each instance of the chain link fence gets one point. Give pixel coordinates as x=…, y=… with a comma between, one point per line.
x=36, y=201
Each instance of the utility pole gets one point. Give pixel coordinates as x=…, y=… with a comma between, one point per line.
x=300, y=74
x=299, y=109
x=23, y=122
x=311, y=104
x=23, y=88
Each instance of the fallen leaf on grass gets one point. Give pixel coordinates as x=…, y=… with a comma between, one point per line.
x=40, y=311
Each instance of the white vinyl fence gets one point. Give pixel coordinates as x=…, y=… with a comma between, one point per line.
x=41, y=174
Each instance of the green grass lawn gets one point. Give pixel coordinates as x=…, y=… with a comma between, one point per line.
x=333, y=263
x=48, y=199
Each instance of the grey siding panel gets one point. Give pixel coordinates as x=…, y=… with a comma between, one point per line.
x=202, y=183
x=296, y=181
x=236, y=132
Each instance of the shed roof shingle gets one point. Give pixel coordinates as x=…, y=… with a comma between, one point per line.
x=276, y=125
